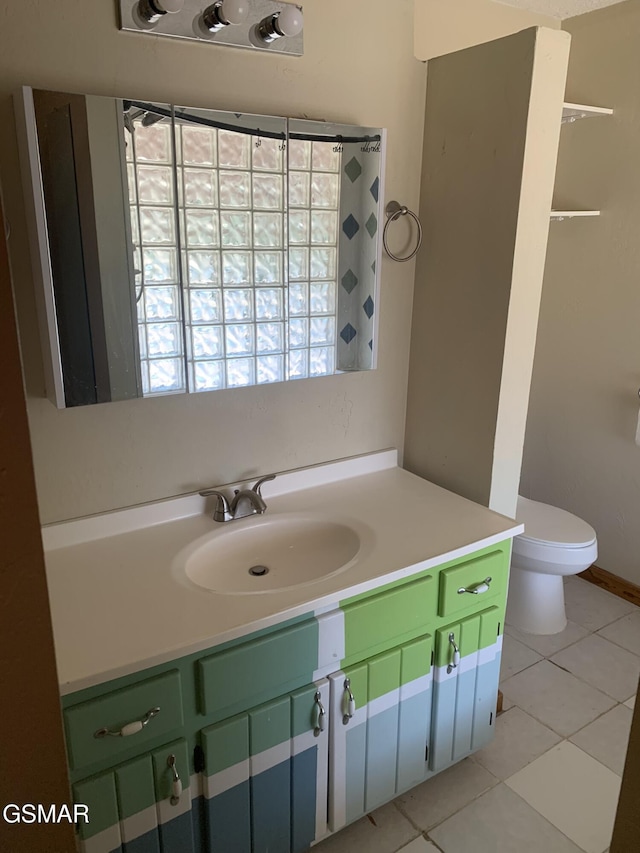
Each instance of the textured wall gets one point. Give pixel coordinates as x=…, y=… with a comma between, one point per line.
x=579, y=449
x=97, y=458
x=443, y=26
x=559, y=9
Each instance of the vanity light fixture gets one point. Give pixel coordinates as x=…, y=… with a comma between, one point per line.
x=224, y=13
x=272, y=26
x=288, y=22
x=149, y=12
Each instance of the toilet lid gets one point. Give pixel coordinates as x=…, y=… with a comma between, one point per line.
x=552, y=526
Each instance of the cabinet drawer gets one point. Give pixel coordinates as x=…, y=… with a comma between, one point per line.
x=471, y=575
x=115, y=710
x=387, y=619
x=236, y=679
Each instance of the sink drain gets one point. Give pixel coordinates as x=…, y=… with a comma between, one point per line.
x=258, y=571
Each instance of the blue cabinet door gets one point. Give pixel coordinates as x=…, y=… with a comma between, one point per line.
x=380, y=711
x=465, y=685
x=265, y=778
x=133, y=808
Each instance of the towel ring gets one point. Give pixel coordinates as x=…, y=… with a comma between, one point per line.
x=394, y=211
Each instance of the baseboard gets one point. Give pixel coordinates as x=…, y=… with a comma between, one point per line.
x=612, y=583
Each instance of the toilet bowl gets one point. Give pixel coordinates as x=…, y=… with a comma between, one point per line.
x=555, y=543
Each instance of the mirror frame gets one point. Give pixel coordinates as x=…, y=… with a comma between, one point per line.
x=33, y=188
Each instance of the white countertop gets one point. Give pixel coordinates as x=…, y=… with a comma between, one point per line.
x=119, y=604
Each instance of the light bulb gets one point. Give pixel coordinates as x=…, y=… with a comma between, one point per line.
x=223, y=13
x=234, y=11
x=150, y=11
x=289, y=21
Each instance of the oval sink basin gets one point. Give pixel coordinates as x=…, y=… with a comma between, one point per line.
x=262, y=555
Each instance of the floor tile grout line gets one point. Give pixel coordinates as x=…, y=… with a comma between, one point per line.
x=472, y=800
x=619, y=775
x=600, y=689
x=557, y=651
x=422, y=835
x=555, y=746
x=407, y=843
x=406, y=816
x=599, y=717
x=557, y=828
x=547, y=725
x=524, y=669
x=544, y=752
x=607, y=639
x=614, y=642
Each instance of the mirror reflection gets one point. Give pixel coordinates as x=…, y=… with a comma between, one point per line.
x=193, y=250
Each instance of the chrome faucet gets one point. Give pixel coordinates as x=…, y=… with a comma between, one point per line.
x=244, y=502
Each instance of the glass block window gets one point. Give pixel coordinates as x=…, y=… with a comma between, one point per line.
x=221, y=303
x=314, y=202
x=150, y=164
x=233, y=256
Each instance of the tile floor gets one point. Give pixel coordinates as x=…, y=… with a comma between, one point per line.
x=549, y=783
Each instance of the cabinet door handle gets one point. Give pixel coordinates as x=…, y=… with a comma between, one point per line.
x=477, y=589
x=129, y=728
x=320, y=715
x=176, y=784
x=456, y=654
x=348, y=702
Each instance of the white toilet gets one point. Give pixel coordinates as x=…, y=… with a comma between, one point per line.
x=554, y=543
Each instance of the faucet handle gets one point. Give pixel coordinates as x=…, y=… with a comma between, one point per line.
x=221, y=512
x=257, y=486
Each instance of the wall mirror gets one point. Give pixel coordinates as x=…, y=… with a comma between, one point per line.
x=186, y=250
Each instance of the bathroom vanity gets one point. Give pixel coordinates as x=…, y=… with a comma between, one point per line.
x=205, y=717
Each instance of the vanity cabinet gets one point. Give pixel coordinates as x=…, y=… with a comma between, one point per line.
x=285, y=735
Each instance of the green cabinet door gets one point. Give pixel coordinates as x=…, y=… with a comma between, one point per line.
x=138, y=807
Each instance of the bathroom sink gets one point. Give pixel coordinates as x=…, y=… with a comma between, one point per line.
x=263, y=555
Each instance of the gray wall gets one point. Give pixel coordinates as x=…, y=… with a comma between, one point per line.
x=491, y=138
x=580, y=452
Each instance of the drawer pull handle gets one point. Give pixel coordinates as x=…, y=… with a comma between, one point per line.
x=321, y=714
x=130, y=728
x=478, y=589
x=176, y=784
x=456, y=654
x=348, y=702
